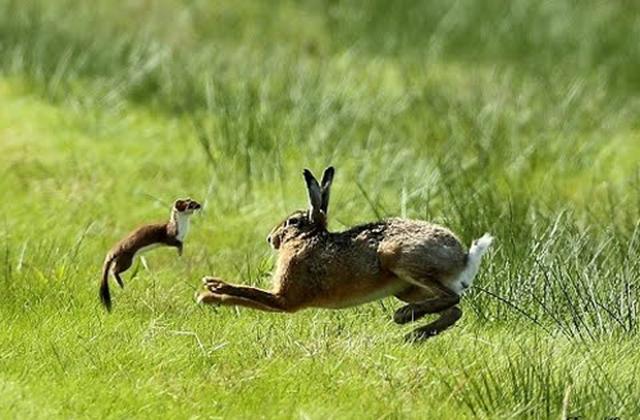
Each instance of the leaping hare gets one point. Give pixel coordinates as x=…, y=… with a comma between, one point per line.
x=420, y=263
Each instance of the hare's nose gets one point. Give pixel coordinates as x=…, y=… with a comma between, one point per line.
x=269, y=239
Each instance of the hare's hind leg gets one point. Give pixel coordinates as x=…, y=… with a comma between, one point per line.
x=439, y=300
x=427, y=296
x=414, y=311
x=443, y=303
x=447, y=318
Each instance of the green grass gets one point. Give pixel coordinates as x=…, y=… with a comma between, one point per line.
x=513, y=117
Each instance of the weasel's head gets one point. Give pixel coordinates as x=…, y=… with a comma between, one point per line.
x=186, y=206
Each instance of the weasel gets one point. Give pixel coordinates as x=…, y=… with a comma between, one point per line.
x=144, y=238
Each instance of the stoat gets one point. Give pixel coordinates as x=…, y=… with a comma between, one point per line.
x=146, y=237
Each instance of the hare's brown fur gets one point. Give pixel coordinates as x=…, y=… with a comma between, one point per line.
x=410, y=259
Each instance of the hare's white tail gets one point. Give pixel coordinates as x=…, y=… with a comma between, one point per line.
x=464, y=280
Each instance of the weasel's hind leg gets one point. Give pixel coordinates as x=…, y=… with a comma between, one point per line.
x=121, y=264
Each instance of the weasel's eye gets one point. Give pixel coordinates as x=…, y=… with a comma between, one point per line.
x=293, y=221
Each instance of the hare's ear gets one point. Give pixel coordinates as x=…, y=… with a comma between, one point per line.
x=325, y=187
x=315, y=196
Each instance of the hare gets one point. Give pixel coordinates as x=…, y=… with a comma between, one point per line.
x=422, y=264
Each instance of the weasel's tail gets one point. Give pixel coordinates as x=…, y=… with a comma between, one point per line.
x=105, y=295
x=476, y=252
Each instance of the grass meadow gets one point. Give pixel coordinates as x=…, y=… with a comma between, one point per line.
x=515, y=117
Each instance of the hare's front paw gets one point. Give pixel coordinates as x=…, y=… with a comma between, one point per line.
x=207, y=297
x=214, y=284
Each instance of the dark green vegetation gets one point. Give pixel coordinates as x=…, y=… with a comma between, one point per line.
x=514, y=117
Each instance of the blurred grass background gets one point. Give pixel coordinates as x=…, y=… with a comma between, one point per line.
x=514, y=117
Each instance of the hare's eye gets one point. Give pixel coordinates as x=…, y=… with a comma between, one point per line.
x=293, y=221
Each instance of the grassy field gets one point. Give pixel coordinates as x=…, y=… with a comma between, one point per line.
x=515, y=117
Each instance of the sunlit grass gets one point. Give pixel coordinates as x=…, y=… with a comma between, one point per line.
x=517, y=118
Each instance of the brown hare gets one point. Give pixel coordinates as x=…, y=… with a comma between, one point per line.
x=420, y=263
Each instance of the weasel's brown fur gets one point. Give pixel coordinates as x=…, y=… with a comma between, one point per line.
x=122, y=254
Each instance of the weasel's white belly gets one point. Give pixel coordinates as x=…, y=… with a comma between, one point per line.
x=183, y=227
x=147, y=248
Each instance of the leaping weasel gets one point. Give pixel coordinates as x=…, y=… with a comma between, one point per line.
x=144, y=238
